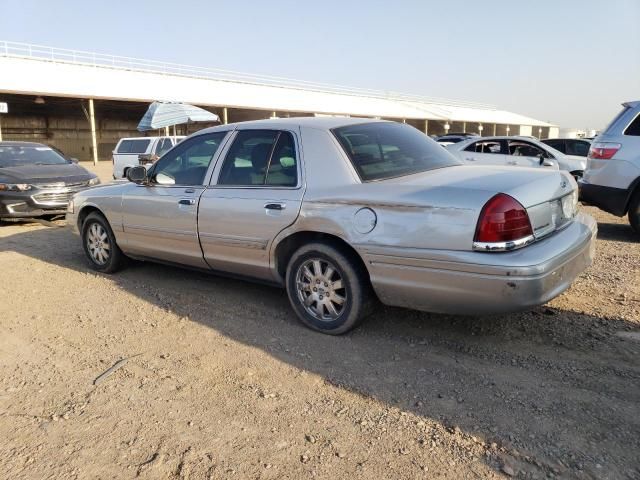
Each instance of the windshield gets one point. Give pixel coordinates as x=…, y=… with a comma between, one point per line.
x=386, y=150
x=18, y=155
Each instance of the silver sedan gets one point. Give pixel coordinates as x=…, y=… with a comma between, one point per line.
x=343, y=213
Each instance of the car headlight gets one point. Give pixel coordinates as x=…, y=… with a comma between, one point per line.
x=94, y=181
x=14, y=187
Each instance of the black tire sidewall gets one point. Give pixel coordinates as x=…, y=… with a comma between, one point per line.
x=115, y=257
x=352, y=280
x=634, y=212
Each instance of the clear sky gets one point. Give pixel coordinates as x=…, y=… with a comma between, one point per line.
x=571, y=62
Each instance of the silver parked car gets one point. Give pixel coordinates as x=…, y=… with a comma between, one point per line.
x=341, y=211
x=518, y=152
x=612, y=179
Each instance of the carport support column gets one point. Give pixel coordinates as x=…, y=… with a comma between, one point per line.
x=426, y=127
x=225, y=116
x=495, y=129
x=0, y=128
x=94, y=141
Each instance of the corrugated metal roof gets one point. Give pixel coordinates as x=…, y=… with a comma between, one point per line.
x=40, y=70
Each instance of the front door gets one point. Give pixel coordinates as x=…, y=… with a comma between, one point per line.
x=256, y=192
x=160, y=218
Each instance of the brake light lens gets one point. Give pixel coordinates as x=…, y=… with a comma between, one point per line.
x=503, y=225
x=603, y=150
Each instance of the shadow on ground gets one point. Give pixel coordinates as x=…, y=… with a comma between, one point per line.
x=558, y=386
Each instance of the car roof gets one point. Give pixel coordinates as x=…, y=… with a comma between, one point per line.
x=22, y=144
x=567, y=138
x=322, y=123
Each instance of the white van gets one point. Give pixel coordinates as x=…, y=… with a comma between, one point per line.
x=128, y=151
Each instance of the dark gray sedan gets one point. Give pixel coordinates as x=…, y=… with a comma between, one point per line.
x=36, y=180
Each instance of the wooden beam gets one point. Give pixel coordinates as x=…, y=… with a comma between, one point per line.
x=94, y=140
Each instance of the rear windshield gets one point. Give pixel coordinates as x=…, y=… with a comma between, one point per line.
x=386, y=150
x=15, y=156
x=134, y=146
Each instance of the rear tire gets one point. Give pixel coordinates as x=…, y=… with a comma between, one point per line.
x=634, y=212
x=100, y=245
x=329, y=291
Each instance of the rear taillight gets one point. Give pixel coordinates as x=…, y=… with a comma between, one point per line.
x=503, y=225
x=603, y=150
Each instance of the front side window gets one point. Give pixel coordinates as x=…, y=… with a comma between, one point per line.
x=187, y=164
x=384, y=150
x=489, y=146
x=525, y=149
x=261, y=157
x=134, y=146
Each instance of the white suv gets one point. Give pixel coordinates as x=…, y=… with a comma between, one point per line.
x=128, y=150
x=612, y=178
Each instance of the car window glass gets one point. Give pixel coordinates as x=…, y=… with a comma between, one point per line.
x=283, y=170
x=380, y=150
x=134, y=146
x=164, y=145
x=188, y=163
x=247, y=160
x=490, y=146
x=634, y=127
x=524, y=149
x=557, y=144
x=577, y=147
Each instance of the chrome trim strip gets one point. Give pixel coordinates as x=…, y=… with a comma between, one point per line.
x=503, y=246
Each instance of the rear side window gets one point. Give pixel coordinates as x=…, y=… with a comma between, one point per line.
x=387, y=150
x=261, y=157
x=558, y=145
x=634, y=127
x=134, y=146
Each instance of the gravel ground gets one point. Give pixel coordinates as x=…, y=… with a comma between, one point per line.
x=222, y=382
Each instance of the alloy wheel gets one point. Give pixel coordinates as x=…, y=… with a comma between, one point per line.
x=321, y=289
x=98, y=244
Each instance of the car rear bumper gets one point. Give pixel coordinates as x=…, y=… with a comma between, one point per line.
x=610, y=199
x=475, y=283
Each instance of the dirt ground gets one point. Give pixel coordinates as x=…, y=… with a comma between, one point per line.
x=223, y=382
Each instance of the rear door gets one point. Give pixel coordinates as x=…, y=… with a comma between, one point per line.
x=256, y=192
x=160, y=218
x=485, y=152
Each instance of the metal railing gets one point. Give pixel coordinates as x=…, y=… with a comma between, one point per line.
x=79, y=57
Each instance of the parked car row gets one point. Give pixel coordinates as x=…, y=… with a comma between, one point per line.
x=346, y=212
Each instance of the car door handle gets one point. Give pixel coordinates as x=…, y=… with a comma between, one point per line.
x=275, y=206
x=470, y=159
x=187, y=201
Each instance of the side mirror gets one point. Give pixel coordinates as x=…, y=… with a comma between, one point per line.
x=137, y=175
x=547, y=162
x=74, y=160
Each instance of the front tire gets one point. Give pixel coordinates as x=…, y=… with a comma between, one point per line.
x=328, y=290
x=100, y=245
